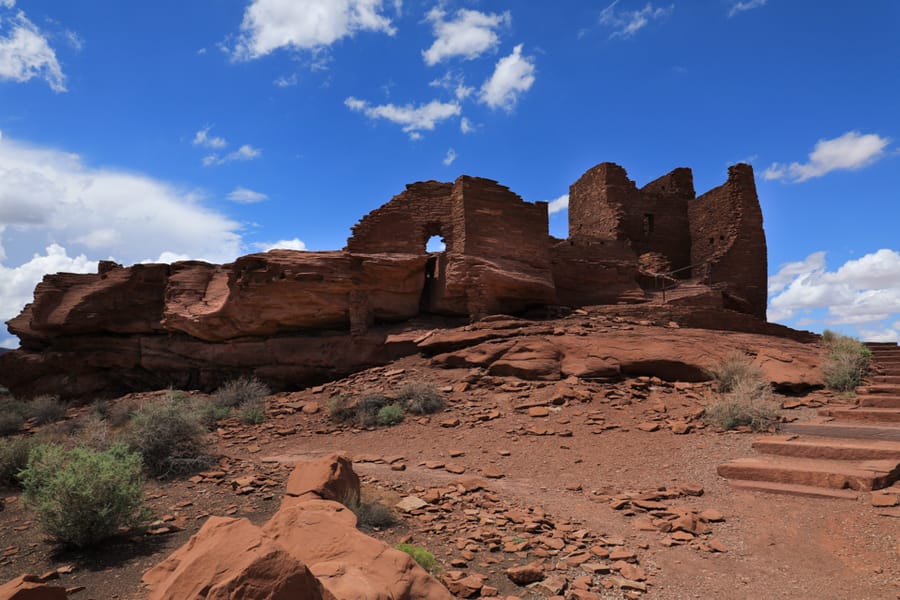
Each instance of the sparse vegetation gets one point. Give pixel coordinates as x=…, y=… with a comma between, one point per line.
x=13, y=458
x=370, y=514
x=736, y=368
x=12, y=415
x=211, y=413
x=169, y=437
x=745, y=397
x=847, y=363
x=83, y=496
x=46, y=409
x=422, y=556
x=253, y=412
x=392, y=414
x=377, y=408
x=421, y=399
x=241, y=391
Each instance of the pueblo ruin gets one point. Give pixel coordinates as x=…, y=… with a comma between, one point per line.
x=294, y=318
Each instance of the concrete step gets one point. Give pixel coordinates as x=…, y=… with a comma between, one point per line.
x=791, y=489
x=828, y=448
x=858, y=413
x=835, y=474
x=879, y=401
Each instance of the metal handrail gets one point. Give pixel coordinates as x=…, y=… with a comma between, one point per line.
x=657, y=277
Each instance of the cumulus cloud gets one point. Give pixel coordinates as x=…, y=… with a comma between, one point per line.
x=294, y=244
x=513, y=75
x=862, y=290
x=243, y=195
x=625, y=23
x=850, y=151
x=244, y=153
x=413, y=119
x=59, y=214
x=450, y=157
x=25, y=52
x=739, y=7
x=558, y=205
x=469, y=34
x=269, y=25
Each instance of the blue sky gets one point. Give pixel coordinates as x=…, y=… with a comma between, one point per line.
x=208, y=129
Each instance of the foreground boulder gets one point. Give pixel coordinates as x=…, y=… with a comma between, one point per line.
x=29, y=587
x=309, y=550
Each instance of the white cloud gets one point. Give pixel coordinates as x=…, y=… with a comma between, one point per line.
x=465, y=125
x=850, y=151
x=862, y=290
x=287, y=81
x=739, y=7
x=243, y=195
x=25, y=53
x=469, y=35
x=513, y=75
x=244, y=153
x=450, y=157
x=294, y=244
x=414, y=119
x=558, y=205
x=203, y=139
x=7, y=3
x=455, y=83
x=269, y=25
x=626, y=23
x=59, y=214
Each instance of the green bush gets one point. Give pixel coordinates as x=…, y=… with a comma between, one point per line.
x=736, y=368
x=422, y=556
x=239, y=391
x=12, y=415
x=421, y=398
x=83, y=496
x=211, y=413
x=46, y=409
x=253, y=412
x=363, y=411
x=13, y=458
x=392, y=414
x=169, y=437
x=847, y=363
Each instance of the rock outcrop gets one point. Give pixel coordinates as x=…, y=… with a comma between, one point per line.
x=29, y=587
x=309, y=550
x=297, y=318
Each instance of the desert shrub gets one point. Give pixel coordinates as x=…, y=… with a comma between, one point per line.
x=362, y=411
x=94, y=433
x=422, y=556
x=211, y=413
x=421, y=398
x=83, y=496
x=169, y=437
x=370, y=514
x=238, y=391
x=736, y=368
x=847, y=363
x=392, y=414
x=253, y=412
x=12, y=415
x=46, y=409
x=749, y=403
x=118, y=414
x=13, y=458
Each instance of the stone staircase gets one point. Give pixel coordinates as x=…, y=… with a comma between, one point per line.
x=847, y=449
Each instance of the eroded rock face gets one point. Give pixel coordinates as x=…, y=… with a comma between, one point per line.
x=28, y=587
x=309, y=550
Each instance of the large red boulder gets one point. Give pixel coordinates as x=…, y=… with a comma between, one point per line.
x=29, y=587
x=328, y=478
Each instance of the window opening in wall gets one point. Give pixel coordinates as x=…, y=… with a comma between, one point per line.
x=712, y=241
x=648, y=224
x=435, y=244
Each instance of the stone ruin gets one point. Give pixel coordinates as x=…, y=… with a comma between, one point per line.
x=293, y=318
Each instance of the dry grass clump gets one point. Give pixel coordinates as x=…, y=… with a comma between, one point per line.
x=13, y=458
x=12, y=415
x=421, y=398
x=745, y=399
x=847, y=363
x=46, y=409
x=371, y=514
x=379, y=408
x=244, y=390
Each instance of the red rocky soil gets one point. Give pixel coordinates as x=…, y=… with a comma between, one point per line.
x=531, y=487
